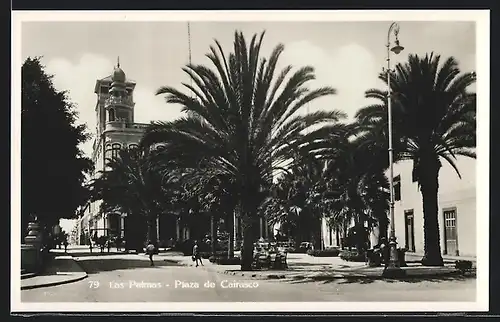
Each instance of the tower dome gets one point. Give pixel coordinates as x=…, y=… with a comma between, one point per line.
x=118, y=73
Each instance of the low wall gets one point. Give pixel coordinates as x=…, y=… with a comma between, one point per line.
x=33, y=258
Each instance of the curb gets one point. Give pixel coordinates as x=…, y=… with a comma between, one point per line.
x=28, y=275
x=67, y=281
x=84, y=275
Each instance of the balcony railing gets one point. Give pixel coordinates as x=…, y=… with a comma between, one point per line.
x=115, y=125
x=124, y=101
x=136, y=125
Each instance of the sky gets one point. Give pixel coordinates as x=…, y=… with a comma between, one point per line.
x=346, y=55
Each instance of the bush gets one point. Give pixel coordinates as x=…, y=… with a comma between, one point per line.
x=228, y=261
x=352, y=256
x=219, y=253
x=222, y=260
x=329, y=252
x=463, y=265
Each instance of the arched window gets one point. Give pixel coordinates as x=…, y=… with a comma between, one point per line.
x=115, y=149
x=112, y=115
x=133, y=146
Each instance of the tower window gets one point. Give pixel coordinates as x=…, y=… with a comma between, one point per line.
x=112, y=115
x=115, y=149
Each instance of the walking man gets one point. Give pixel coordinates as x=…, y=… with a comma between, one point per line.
x=196, y=253
x=150, y=249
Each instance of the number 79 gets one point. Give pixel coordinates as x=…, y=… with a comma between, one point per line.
x=93, y=284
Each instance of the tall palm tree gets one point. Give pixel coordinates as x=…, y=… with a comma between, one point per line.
x=246, y=125
x=434, y=119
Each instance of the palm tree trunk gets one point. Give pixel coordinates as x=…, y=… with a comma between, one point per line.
x=231, y=223
x=247, y=248
x=152, y=229
x=213, y=230
x=317, y=234
x=429, y=188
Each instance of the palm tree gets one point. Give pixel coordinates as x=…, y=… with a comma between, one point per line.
x=246, y=124
x=217, y=198
x=357, y=190
x=130, y=185
x=434, y=118
x=298, y=199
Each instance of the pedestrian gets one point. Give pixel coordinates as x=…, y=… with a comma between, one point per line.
x=150, y=249
x=65, y=245
x=196, y=254
x=90, y=247
x=118, y=244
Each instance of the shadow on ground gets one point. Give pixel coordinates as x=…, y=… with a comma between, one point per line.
x=97, y=265
x=56, y=265
x=368, y=280
x=95, y=253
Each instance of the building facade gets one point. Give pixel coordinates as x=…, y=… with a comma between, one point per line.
x=456, y=211
x=115, y=130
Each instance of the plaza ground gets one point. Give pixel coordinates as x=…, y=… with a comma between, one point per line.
x=118, y=277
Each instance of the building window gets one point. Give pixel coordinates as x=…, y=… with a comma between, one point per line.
x=112, y=116
x=133, y=146
x=409, y=230
x=397, y=188
x=450, y=232
x=115, y=149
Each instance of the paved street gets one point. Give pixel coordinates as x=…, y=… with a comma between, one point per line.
x=129, y=278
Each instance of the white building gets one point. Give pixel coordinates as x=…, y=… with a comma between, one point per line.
x=456, y=211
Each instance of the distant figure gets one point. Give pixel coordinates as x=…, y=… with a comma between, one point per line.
x=118, y=243
x=196, y=253
x=65, y=245
x=102, y=244
x=383, y=248
x=90, y=246
x=150, y=250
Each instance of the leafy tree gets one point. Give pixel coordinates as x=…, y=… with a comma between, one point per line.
x=53, y=168
x=434, y=119
x=245, y=125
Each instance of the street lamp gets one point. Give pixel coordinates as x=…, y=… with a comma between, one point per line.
x=392, y=268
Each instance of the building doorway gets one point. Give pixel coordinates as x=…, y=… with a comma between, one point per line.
x=450, y=232
x=409, y=231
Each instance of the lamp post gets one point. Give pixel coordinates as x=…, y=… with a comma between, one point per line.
x=392, y=268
